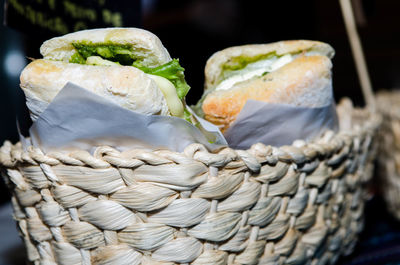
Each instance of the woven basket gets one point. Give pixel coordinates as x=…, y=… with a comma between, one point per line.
x=299, y=204
x=389, y=156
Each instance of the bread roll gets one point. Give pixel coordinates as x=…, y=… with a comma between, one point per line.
x=129, y=66
x=289, y=72
x=127, y=86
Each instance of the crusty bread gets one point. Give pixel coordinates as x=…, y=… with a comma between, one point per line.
x=127, y=86
x=214, y=65
x=306, y=81
x=146, y=45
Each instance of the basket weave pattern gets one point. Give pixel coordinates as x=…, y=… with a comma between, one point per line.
x=296, y=204
x=389, y=155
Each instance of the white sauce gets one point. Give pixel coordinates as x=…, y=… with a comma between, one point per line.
x=261, y=67
x=97, y=60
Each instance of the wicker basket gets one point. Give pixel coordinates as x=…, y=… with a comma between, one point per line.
x=389, y=156
x=299, y=204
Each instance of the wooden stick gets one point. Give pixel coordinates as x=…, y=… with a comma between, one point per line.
x=358, y=53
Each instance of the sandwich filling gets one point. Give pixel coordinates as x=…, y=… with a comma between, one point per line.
x=169, y=77
x=254, y=69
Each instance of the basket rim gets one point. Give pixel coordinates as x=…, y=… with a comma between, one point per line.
x=13, y=155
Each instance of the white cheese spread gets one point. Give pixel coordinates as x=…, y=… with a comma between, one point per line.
x=261, y=67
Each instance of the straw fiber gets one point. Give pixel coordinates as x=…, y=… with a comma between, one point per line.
x=298, y=204
x=389, y=153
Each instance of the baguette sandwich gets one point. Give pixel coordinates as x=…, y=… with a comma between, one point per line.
x=129, y=66
x=289, y=72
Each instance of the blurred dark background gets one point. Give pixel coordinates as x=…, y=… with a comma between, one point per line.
x=192, y=30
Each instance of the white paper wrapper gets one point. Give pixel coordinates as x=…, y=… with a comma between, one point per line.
x=78, y=118
x=279, y=124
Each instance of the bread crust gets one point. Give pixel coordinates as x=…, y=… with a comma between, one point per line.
x=127, y=86
x=306, y=81
x=214, y=65
x=144, y=42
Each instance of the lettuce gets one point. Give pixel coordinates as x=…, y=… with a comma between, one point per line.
x=172, y=71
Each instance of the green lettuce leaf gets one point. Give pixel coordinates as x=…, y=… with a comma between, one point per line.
x=172, y=71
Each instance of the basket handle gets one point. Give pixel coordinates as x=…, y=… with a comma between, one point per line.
x=358, y=54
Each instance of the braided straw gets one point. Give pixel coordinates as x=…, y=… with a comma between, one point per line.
x=289, y=205
x=389, y=155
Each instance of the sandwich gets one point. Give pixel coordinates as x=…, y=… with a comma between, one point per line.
x=129, y=66
x=287, y=72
